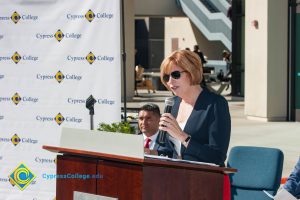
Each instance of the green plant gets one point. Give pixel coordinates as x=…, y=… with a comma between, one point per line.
x=121, y=127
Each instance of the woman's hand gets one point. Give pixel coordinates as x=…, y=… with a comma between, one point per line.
x=168, y=123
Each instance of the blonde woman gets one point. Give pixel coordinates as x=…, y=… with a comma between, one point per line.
x=199, y=124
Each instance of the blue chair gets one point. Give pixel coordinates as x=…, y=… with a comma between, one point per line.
x=259, y=169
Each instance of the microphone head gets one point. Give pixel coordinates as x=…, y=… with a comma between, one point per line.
x=169, y=101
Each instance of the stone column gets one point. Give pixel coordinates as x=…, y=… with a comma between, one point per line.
x=266, y=40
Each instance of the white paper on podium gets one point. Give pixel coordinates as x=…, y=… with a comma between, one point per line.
x=179, y=160
x=281, y=195
x=103, y=142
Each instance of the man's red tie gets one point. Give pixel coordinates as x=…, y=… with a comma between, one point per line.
x=148, y=140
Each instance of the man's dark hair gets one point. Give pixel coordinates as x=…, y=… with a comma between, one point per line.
x=150, y=107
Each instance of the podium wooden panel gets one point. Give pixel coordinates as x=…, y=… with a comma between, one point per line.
x=129, y=178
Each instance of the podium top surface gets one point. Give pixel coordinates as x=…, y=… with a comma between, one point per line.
x=139, y=161
x=125, y=145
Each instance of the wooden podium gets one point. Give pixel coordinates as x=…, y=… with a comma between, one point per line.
x=133, y=178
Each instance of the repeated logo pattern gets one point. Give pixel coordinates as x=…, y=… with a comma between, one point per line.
x=37, y=68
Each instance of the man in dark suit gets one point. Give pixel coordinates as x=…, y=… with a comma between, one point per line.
x=292, y=185
x=148, y=120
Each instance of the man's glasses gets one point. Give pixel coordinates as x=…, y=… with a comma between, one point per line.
x=174, y=75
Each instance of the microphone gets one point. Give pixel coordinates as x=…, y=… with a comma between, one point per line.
x=169, y=102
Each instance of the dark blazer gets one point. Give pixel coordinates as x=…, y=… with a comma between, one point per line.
x=164, y=149
x=209, y=126
x=292, y=185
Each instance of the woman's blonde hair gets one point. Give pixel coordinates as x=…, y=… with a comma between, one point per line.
x=188, y=61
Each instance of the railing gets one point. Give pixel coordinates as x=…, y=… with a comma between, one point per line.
x=222, y=5
x=211, y=7
x=215, y=26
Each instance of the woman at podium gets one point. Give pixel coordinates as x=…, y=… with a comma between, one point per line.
x=199, y=124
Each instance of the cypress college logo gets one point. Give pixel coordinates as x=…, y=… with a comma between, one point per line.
x=59, y=77
x=58, y=35
x=16, y=58
x=21, y=176
x=102, y=101
x=59, y=119
x=16, y=99
x=90, y=58
x=91, y=16
x=16, y=140
x=17, y=17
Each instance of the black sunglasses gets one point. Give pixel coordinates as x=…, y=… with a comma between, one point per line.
x=174, y=74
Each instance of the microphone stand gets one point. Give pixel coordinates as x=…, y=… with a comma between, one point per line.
x=92, y=112
x=90, y=106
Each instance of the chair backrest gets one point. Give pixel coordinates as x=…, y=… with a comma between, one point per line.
x=259, y=168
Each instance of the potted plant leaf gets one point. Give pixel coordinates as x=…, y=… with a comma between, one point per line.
x=121, y=127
